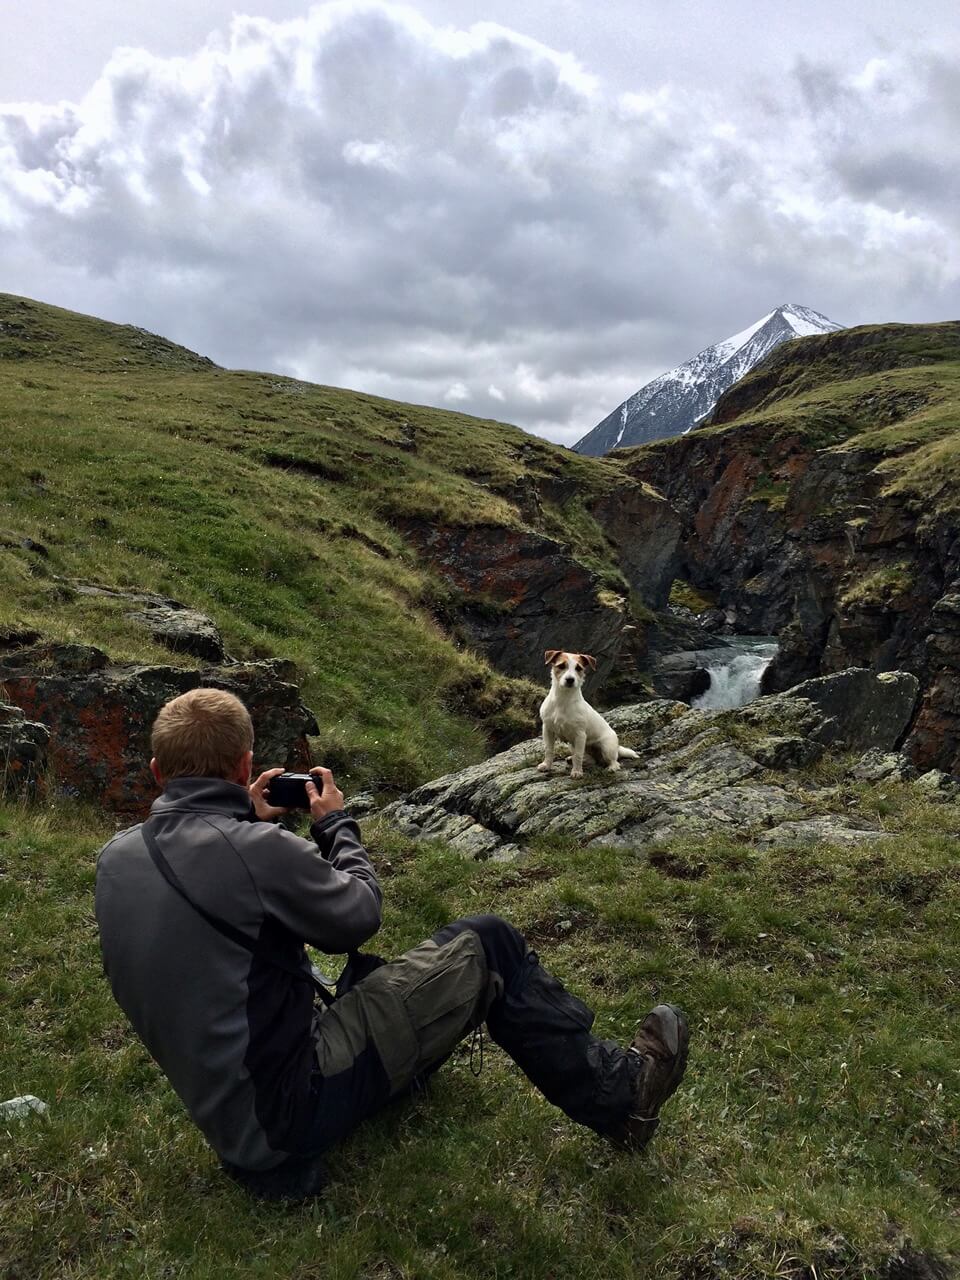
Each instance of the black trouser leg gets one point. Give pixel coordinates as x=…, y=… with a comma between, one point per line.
x=546, y=1030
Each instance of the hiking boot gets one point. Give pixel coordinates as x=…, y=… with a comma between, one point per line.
x=660, y=1050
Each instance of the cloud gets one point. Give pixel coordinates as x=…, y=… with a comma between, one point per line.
x=470, y=217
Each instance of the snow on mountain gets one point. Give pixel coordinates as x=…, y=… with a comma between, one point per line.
x=676, y=401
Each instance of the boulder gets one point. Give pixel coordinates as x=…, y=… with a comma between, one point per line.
x=883, y=766
x=854, y=709
x=938, y=785
x=23, y=748
x=173, y=624
x=699, y=773
x=690, y=780
x=99, y=714
x=681, y=676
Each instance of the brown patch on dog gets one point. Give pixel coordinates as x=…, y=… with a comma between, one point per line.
x=589, y=660
x=549, y=656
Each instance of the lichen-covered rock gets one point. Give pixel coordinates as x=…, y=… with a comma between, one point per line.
x=855, y=709
x=690, y=779
x=23, y=747
x=938, y=785
x=786, y=751
x=821, y=830
x=699, y=773
x=99, y=714
x=881, y=766
x=183, y=630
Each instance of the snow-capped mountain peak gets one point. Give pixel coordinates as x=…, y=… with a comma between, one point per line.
x=676, y=401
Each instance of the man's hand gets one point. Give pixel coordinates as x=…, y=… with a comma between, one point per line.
x=328, y=799
x=264, y=809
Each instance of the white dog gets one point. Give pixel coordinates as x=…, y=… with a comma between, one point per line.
x=566, y=714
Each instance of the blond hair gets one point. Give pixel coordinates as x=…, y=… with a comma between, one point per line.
x=201, y=734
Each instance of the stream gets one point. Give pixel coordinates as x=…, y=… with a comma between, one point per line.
x=735, y=672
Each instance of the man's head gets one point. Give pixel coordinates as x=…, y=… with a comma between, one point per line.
x=205, y=733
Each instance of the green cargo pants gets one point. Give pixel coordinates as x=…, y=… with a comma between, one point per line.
x=413, y=1010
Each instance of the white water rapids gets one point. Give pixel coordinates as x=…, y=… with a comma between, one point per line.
x=735, y=672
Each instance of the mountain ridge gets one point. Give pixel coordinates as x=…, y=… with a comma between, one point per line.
x=678, y=400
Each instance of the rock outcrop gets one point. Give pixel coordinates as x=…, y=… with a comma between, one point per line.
x=23, y=748
x=514, y=593
x=699, y=773
x=99, y=714
x=173, y=624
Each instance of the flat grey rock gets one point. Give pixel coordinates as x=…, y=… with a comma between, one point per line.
x=828, y=829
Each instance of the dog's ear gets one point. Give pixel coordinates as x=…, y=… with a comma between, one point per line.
x=590, y=661
x=549, y=656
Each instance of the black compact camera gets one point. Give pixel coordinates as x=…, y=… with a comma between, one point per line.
x=289, y=790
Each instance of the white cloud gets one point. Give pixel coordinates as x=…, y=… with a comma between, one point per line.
x=363, y=198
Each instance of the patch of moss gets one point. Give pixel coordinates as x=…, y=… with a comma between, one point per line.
x=684, y=595
x=877, y=590
x=772, y=492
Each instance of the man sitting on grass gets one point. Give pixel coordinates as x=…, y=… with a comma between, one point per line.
x=204, y=910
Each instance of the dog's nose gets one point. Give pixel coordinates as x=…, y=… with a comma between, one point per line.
x=569, y=680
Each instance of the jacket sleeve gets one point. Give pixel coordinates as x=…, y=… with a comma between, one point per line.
x=324, y=892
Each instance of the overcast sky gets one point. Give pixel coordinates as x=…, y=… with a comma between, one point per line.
x=520, y=211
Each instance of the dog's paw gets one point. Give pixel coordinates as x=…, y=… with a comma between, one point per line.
x=613, y=768
x=576, y=773
x=544, y=767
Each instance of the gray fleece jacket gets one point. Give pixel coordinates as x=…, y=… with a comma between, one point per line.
x=232, y=1032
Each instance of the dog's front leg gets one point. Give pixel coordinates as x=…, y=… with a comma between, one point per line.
x=549, y=741
x=579, y=746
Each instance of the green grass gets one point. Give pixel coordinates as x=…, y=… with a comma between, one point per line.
x=818, y=1125
x=907, y=416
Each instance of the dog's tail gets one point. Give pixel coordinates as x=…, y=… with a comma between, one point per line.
x=624, y=753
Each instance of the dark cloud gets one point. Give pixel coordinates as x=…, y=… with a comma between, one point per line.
x=468, y=217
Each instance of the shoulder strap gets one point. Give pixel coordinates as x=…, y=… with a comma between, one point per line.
x=223, y=926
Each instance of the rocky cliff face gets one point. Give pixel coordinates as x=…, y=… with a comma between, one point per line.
x=822, y=503
x=98, y=715
x=513, y=592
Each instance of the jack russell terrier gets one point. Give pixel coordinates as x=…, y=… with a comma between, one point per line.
x=566, y=714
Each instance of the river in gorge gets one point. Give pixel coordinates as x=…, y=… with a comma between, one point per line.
x=735, y=671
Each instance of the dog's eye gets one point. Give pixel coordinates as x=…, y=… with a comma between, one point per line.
x=579, y=669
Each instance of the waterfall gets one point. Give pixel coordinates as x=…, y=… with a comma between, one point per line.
x=735, y=672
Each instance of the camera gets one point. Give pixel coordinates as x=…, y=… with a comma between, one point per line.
x=289, y=790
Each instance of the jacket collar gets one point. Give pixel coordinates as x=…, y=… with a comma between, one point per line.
x=203, y=795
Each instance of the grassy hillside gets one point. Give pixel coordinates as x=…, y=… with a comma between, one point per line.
x=271, y=505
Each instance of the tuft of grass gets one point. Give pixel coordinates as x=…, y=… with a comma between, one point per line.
x=879, y=589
